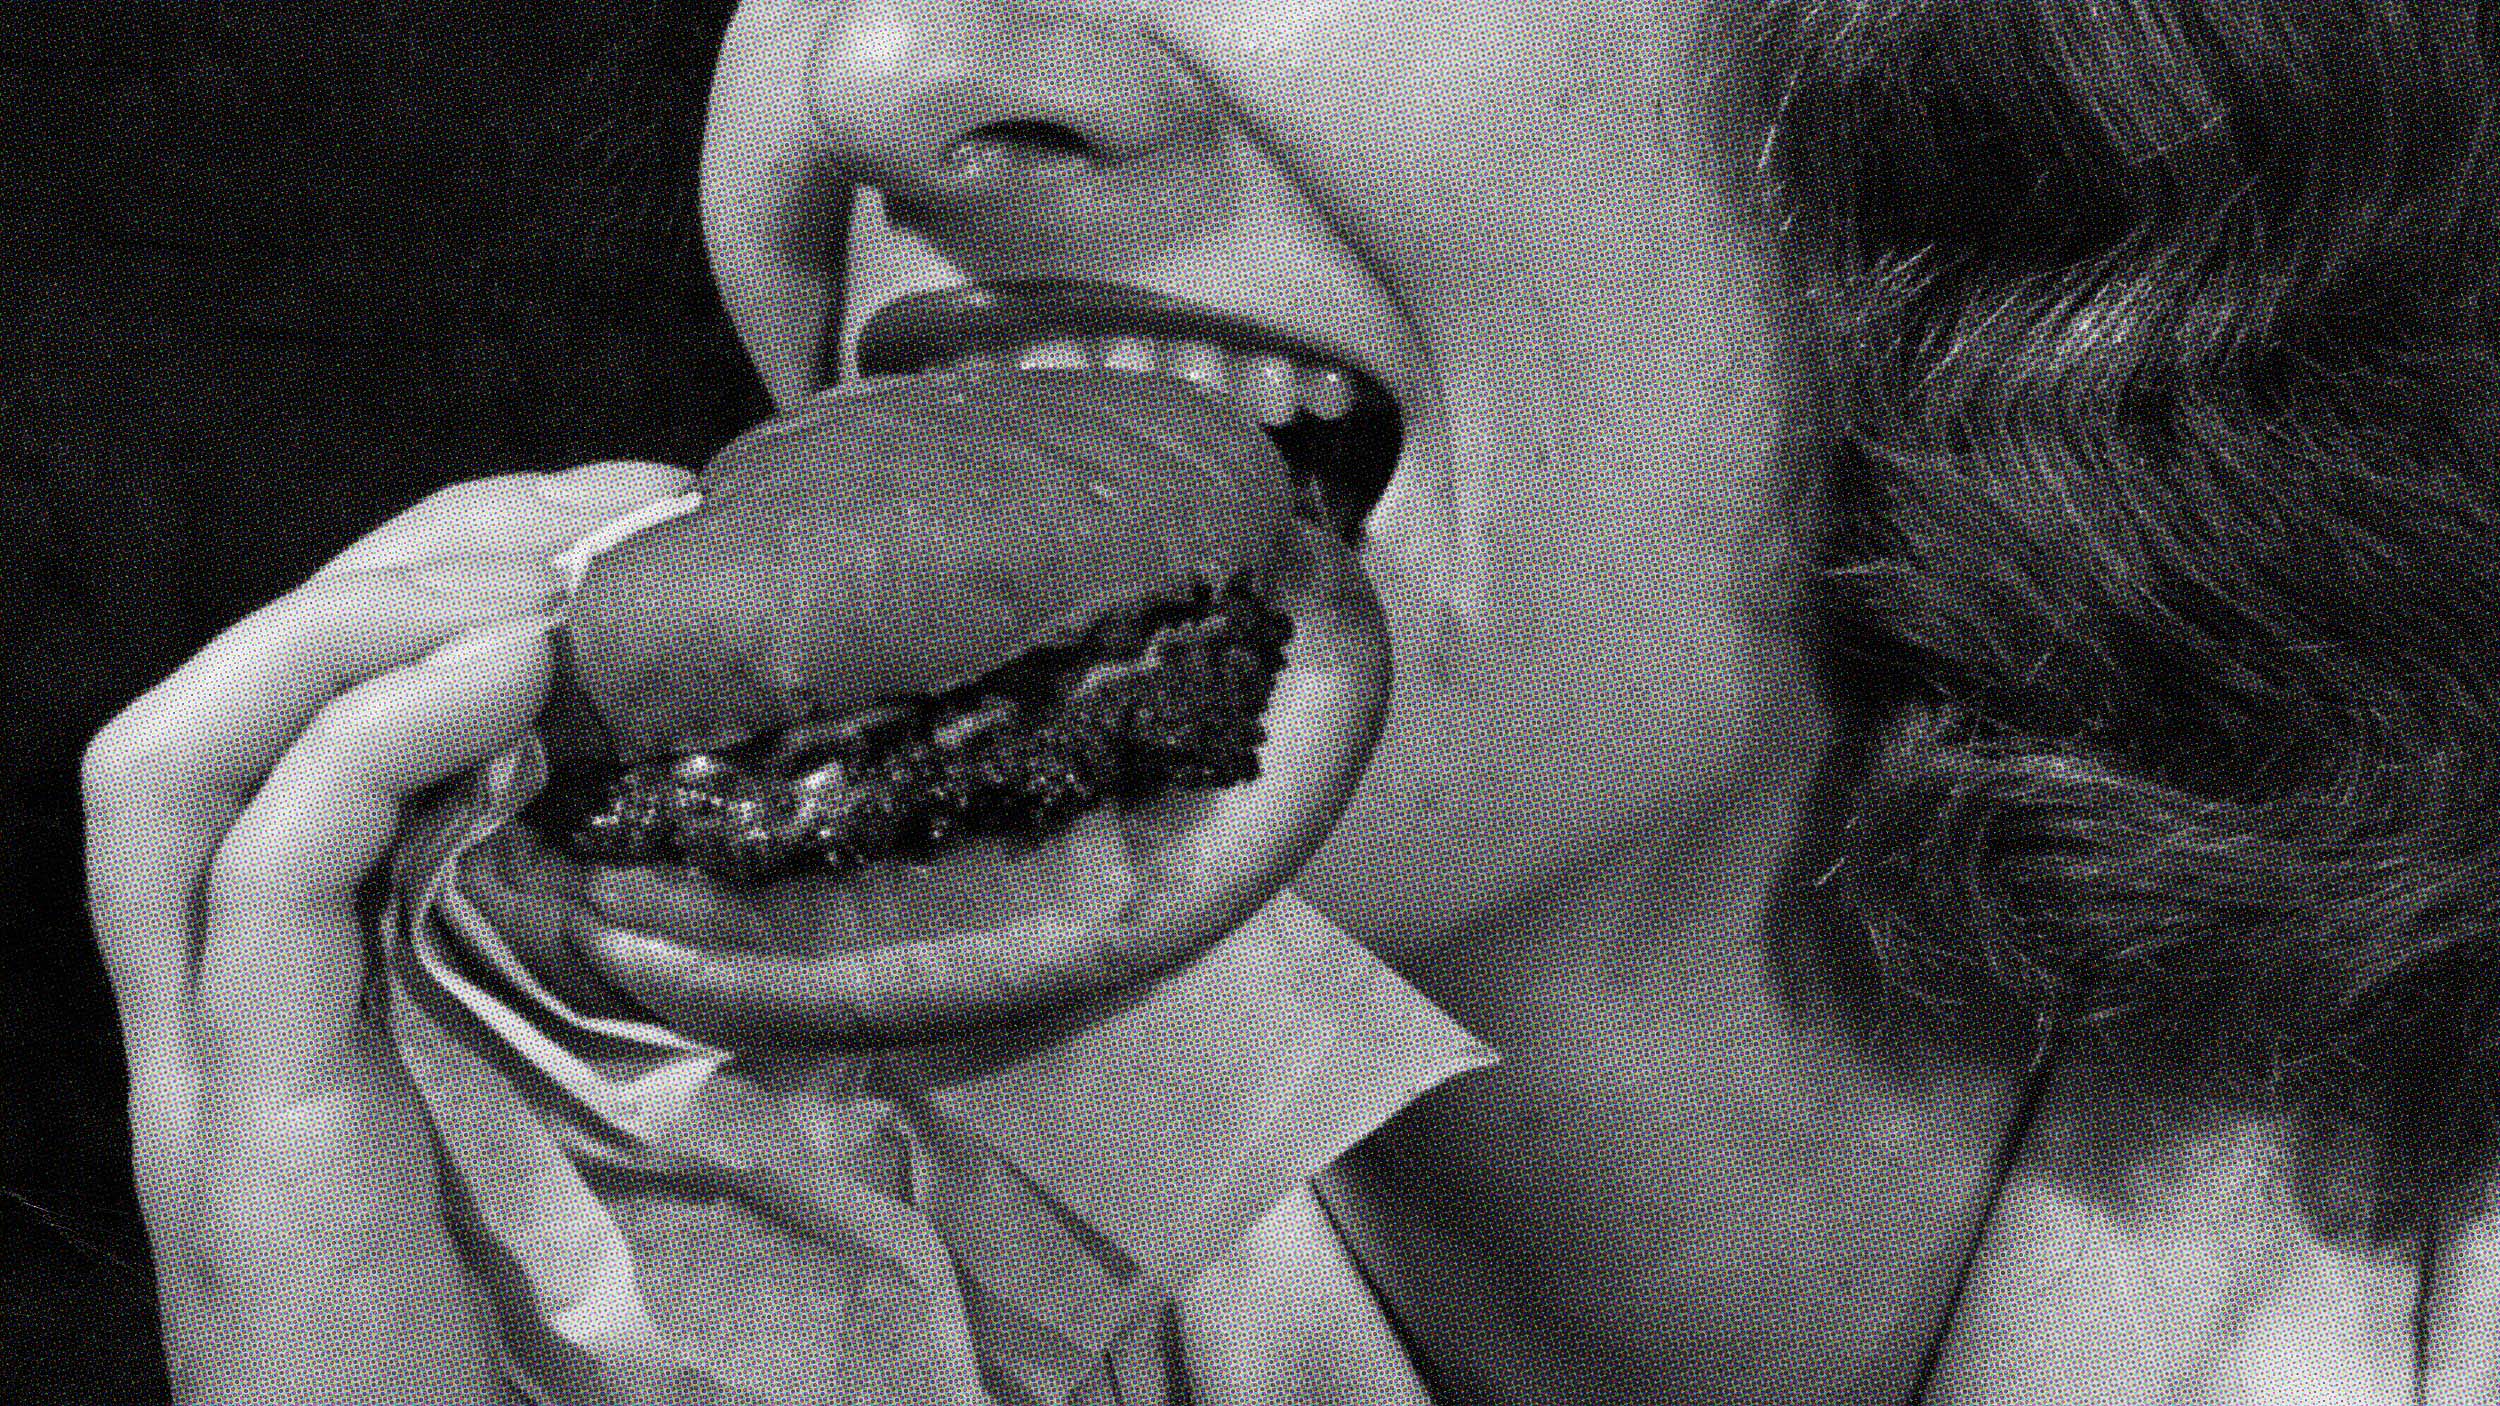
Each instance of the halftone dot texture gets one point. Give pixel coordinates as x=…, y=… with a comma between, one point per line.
x=2130, y=121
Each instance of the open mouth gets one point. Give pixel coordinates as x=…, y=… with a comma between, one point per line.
x=1336, y=427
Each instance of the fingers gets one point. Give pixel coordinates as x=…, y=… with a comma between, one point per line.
x=2461, y=1317
x=220, y=720
x=284, y=962
x=317, y=1156
x=316, y=695
x=164, y=781
x=165, y=778
x=523, y=514
x=472, y=552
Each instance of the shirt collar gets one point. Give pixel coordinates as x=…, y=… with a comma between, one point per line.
x=1172, y=1125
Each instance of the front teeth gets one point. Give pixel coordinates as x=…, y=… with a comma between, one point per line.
x=1202, y=364
x=1130, y=354
x=1271, y=389
x=1065, y=354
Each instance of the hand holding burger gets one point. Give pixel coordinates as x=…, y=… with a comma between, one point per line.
x=236, y=813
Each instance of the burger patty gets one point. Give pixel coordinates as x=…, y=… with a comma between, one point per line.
x=1161, y=694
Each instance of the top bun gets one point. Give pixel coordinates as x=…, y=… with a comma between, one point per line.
x=885, y=543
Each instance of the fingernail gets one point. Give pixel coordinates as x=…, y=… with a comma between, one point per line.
x=576, y=559
x=490, y=579
x=470, y=646
x=614, y=486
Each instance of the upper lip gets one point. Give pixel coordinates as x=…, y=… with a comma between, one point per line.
x=917, y=330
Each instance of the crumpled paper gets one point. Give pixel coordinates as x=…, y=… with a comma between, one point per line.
x=652, y=1221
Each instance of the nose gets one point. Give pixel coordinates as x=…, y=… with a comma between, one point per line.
x=953, y=108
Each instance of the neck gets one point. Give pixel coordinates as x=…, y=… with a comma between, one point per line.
x=1690, y=1179
x=1707, y=905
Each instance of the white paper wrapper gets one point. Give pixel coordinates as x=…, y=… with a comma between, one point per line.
x=655, y=1222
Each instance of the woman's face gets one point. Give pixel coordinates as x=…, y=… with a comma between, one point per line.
x=1510, y=216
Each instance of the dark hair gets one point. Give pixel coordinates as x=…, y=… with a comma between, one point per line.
x=2164, y=541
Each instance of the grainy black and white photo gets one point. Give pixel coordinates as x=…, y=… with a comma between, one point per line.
x=1251, y=702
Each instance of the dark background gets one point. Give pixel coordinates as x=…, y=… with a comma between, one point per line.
x=270, y=270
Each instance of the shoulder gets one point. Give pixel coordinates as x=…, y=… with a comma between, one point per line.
x=2190, y=1271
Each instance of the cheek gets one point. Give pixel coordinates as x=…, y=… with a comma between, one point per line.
x=1620, y=691
x=1625, y=668
x=1627, y=657
x=1628, y=522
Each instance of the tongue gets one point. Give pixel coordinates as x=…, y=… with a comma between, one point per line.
x=894, y=540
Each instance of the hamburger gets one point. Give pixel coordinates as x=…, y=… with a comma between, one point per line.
x=953, y=701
